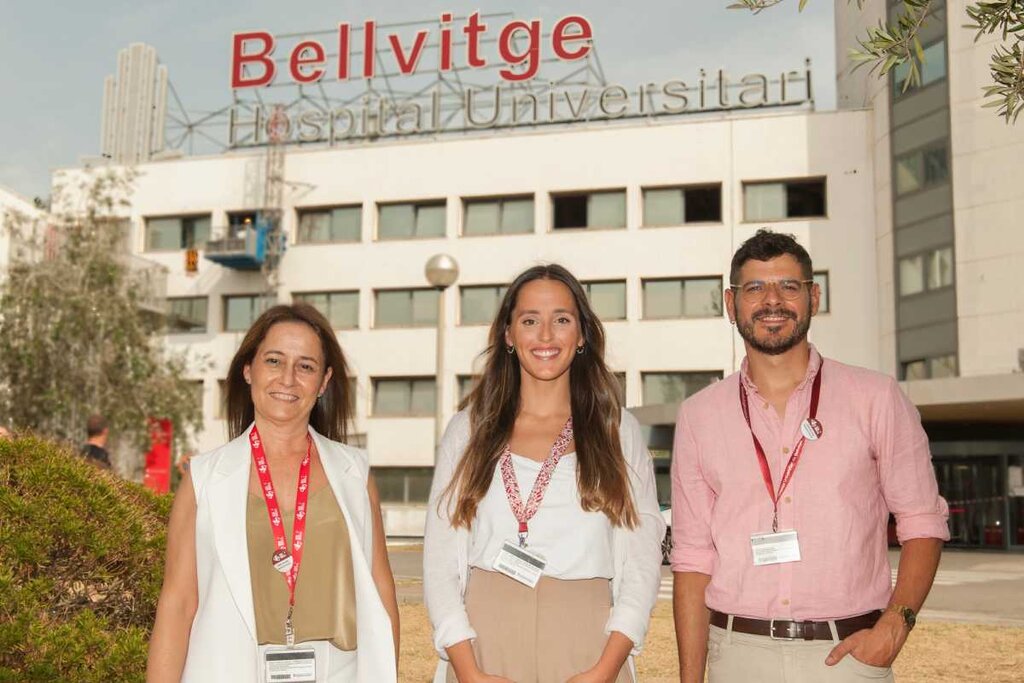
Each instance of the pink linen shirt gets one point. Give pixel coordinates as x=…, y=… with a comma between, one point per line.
x=872, y=458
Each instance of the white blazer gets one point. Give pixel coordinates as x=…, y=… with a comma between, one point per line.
x=222, y=644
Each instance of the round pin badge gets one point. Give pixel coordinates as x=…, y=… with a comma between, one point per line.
x=282, y=561
x=811, y=429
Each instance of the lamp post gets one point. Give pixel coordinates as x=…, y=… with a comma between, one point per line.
x=442, y=271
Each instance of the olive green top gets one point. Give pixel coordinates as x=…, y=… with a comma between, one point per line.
x=325, y=593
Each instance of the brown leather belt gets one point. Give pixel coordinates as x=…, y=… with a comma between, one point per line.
x=780, y=629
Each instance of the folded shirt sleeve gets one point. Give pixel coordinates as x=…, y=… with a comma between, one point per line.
x=641, y=570
x=692, y=502
x=442, y=586
x=905, y=469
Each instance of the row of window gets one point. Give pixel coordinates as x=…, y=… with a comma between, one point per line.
x=417, y=396
x=926, y=272
x=606, y=209
x=663, y=299
x=930, y=368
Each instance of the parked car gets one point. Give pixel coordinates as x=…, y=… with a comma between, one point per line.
x=666, y=543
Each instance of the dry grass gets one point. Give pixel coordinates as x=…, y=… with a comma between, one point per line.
x=936, y=652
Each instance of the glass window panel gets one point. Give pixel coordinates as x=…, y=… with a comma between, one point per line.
x=702, y=297
x=517, y=216
x=479, y=304
x=343, y=310
x=240, y=311
x=608, y=299
x=317, y=300
x=606, y=210
x=188, y=315
x=934, y=67
x=673, y=387
x=430, y=220
x=805, y=199
x=944, y=366
x=418, y=484
x=482, y=218
x=909, y=174
x=390, y=483
x=163, y=233
x=940, y=268
x=663, y=299
x=663, y=207
x=346, y=224
x=314, y=226
x=764, y=201
x=391, y=396
x=821, y=279
x=917, y=369
x=703, y=204
x=424, y=397
x=197, y=232
x=394, y=307
x=424, y=307
x=935, y=166
x=396, y=221
x=570, y=211
x=911, y=275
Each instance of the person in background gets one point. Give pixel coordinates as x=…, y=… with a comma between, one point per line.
x=95, y=449
x=542, y=551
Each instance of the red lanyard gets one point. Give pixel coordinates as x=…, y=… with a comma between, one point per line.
x=524, y=513
x=287, y=564
x=794, y=459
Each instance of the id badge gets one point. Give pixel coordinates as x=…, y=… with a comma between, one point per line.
x=521, y=564
x=776, y=548
x=290, y=665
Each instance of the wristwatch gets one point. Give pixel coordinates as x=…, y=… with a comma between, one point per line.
x=909, y=616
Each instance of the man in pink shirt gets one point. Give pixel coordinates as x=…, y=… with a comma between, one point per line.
x=783, y=478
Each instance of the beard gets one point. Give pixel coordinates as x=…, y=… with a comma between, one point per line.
x=774, y=344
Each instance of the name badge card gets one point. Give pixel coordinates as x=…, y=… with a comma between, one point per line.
x=290, y=665
x=775, y=548
x=521, y=564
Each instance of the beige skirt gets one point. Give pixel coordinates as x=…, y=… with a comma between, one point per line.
x=545, y=634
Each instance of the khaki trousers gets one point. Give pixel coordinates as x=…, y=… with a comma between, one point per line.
x=545, y=634
x=742, y=658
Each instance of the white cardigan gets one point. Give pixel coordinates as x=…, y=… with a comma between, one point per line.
x=222, y=644
x=637, y=551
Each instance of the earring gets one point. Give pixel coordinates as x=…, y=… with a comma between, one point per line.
x=511, y=349
x=579, y=350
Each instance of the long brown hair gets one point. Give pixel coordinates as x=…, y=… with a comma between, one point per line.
x=596, y=413
x=332, y=412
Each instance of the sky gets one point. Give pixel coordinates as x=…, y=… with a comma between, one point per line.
x=55, y=55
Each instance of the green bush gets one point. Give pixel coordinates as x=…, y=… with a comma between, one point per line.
x=81, y=563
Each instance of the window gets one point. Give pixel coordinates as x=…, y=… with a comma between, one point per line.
x=921, y=169
x=683, y=298
x=466, y=384
x=340, y=308
x=403, y=484
x=177, y=232
x=590, y=210
x=479, y=304
x=187, y=314
x=821, y=279
x=239, y=222
x=786, y=199
x=673, y=387
x=677, y=205
x=335, y=224
x=241, y=311
x=505, y=216
x=405, y=221
x=608, y=299
x=930, y=368
x=404, y=397
x=933, y=69
x=405, y=307
x=925, y=272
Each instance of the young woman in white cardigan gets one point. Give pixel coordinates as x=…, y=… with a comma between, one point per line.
x=542, y=549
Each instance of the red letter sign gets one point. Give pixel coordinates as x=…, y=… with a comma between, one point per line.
x=531, y=56
x=239, y=60
x=299, y=60
x=559, y=38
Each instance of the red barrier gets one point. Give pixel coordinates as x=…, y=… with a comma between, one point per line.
x=158, y=459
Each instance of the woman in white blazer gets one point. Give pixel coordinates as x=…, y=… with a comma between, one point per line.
x=542, y=546
x=276, y=555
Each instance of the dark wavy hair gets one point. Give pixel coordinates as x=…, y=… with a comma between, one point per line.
x=493, y=405
x=332, y=413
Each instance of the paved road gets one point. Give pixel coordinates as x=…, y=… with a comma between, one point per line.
x=975, y=587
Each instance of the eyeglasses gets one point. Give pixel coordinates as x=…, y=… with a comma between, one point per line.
x=756, y=290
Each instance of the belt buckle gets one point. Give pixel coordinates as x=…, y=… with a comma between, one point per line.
x=771, y=632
